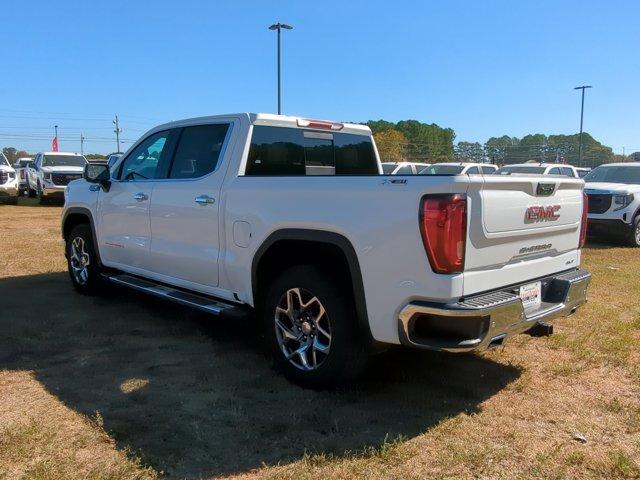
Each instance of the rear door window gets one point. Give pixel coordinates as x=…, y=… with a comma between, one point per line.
x=568, y=172
x=198, y=150
x=487, y=170
x=294, y=151
x=473, y=171
x=406, y=170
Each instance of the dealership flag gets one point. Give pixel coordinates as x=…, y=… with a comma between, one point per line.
x=54, y=144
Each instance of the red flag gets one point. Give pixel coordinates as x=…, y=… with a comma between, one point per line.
x=54, y=144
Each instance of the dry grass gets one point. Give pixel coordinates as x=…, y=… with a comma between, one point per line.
x=125, y=387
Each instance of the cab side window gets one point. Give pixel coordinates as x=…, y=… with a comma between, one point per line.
x=473, y=171
x=198, y=150
x=568, y=172
x=143, y=163
x=554, y=171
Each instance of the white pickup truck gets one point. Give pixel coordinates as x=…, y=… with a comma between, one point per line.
x=293, y=219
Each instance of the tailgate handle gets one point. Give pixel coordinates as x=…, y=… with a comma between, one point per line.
x=545, y=189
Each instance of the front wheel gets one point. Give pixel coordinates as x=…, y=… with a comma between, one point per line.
x=311, y=328
x=82, y=261
x=42, y=200
x=634, y=235
x=30, y=191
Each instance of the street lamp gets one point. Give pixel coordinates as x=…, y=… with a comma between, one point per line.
x=278, y=27
x=583, y=88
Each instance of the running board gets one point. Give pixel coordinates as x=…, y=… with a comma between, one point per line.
x=200, y=302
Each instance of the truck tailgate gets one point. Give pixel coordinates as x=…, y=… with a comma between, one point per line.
x=521, y=228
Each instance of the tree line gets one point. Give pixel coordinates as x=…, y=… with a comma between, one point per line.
x=411, y=140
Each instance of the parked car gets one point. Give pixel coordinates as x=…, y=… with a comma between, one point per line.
x=582, y=171
x=459, y=168
x=402, y=168
x=51, y=172
x=21, y=173
x=539, y=169
x=8, y=182
x=614, y=201
x=335, y=265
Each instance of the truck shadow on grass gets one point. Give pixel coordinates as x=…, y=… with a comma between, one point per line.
x=193, y=395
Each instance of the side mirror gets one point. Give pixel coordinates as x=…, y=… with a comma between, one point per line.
x=98, y=173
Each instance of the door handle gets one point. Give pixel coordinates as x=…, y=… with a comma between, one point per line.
x=205, y=200
x=140, y=197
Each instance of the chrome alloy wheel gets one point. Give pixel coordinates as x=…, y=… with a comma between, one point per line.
x=302, y=328
x=637, y=233
x=79, y=260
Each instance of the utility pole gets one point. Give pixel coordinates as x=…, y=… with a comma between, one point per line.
x=583, y=88
x=278, y=27
x=117, y=131
x=81, y=144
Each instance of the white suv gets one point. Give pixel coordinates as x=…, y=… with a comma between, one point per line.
x=51, y=172
x=540, y=169
x=402, y=168
x=614, y=201
x=460, y=168
x=8, y=181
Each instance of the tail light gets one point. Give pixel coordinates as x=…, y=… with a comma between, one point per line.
x=585, y=215
x=22, y=174
x=443, y=224
x=321, y=124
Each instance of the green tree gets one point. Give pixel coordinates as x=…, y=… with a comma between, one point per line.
x=391, y=145
x=469, y=152
x=10, y=153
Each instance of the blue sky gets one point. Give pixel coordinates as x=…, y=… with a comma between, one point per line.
x=483, y=68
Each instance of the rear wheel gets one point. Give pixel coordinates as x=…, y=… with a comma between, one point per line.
x=82, y=261
x=311, y=330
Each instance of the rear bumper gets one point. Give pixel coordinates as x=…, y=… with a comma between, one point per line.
x=486, y=320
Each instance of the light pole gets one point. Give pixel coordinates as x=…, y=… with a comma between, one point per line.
x=55, y=127
x=278, y=27
x=583, y=88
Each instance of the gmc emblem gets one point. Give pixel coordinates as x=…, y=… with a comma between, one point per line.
x=538, y=213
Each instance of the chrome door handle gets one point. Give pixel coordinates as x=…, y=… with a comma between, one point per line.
x=140, y=197
x=205, y=200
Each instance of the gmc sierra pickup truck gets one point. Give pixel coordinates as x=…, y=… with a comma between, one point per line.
x=293, y=219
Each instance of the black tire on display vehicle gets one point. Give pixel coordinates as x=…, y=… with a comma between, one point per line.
x=634, y=234
x=31, y=192
x=82, y=261
x=42, y=200
x=311, y=330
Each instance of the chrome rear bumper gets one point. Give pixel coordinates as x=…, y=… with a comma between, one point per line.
x=486, y=320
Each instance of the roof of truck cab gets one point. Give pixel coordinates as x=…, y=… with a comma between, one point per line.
x=270, y=119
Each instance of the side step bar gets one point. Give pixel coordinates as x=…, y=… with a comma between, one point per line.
x=200, y=302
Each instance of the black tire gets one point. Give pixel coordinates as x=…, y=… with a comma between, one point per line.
x=92, y=284
x=41, y=198
x=13, y=201
x=346, y=356
x=30, y=191
x=634, y=235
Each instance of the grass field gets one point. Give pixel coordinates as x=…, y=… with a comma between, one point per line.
x=127, y=387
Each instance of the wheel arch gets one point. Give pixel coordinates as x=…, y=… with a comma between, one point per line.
x=74, y=216
x=327, y=243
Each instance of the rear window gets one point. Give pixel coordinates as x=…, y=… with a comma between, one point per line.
x=63, y=161
x=442, y=170
x=3, y=160
x=294, y=151
x=520, y=169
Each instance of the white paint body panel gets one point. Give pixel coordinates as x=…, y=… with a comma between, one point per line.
x=211, y=250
